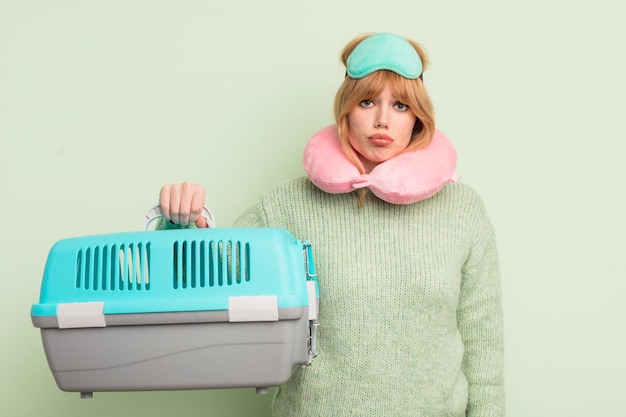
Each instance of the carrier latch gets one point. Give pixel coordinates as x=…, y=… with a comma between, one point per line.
x=313, y=298
x=78, y=315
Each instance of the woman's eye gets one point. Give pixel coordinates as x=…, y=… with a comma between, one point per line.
x=401, y=107
x=365, y=103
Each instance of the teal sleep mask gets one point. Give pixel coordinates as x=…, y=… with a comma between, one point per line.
x=384, y=51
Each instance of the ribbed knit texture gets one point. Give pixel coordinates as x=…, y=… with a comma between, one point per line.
x=410, y=304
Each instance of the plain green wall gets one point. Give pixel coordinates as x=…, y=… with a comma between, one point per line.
x=101, y=102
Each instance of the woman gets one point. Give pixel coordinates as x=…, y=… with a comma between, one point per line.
x=411, y=314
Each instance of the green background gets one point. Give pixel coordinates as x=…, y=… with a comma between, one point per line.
x=101, y=102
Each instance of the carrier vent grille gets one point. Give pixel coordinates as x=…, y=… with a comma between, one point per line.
x=115, y=267
x=210, y=263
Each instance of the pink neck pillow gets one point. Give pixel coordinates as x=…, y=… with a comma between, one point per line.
x=404, y=179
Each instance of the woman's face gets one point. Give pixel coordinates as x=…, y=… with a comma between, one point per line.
x=380, y=128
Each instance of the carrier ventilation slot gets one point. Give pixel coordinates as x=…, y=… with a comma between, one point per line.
x=115, y=267
x=210, y=263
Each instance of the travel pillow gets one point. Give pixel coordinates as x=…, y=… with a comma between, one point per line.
x=404, y=179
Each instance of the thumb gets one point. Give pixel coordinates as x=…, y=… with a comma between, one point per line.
x=202, y=223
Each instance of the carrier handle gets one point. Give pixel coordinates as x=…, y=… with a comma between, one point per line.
x=155, y=212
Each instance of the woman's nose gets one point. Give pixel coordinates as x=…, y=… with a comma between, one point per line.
x=381, y=120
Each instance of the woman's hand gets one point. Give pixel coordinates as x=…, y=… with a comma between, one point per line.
x=182, y=203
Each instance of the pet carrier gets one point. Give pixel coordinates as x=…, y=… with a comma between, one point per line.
x=178, y=309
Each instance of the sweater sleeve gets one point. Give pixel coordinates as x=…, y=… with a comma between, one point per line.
x=480, y=323
x=254, y=216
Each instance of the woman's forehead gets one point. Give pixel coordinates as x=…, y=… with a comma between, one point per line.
x=397, y=90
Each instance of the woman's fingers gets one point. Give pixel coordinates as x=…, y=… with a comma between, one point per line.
x=164, y=201
x=182, y=203
x=196, y=205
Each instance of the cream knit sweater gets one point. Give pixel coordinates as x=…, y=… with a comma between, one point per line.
x=410, y=304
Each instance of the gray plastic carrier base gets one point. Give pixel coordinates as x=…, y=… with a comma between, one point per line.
x=174, y=355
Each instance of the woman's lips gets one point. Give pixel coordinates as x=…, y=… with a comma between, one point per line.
x=380, y=139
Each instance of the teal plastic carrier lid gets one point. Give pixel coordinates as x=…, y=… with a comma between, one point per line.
x=176, y=270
